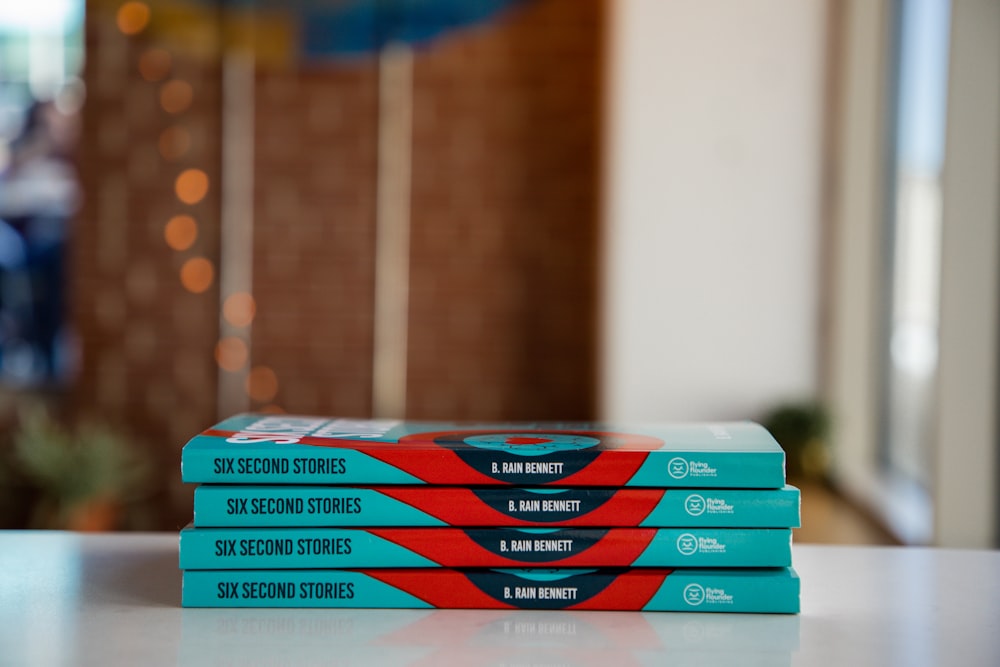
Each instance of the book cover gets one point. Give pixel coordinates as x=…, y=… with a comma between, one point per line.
x=365, y=507
x=300, y=548
x=286, y=449
x=768, y=590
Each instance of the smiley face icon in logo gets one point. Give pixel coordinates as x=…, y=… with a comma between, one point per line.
x=687, y=544
x=677, y=467
x=694, y=505
x=694, y=594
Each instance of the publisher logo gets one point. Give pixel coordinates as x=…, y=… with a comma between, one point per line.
x=677, y=467
x=687, y=544
x=694, y=505
x=694, y=594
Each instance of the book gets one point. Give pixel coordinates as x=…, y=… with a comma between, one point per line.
x=365, y=507
x=300, y=548
x=287, y=449
x=767, y=590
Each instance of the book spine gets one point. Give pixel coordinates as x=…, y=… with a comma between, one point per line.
x=293, y=548
x=346, y=506
x=305, y=464
x=761, y=591
x=288, y=465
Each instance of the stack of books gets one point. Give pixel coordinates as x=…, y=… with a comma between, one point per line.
x=297, y=511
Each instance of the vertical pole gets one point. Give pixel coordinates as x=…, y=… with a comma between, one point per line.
x=392, y=232
x=236, y=236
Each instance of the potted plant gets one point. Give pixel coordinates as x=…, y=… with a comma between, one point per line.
x=85, y=477
x=803, y=430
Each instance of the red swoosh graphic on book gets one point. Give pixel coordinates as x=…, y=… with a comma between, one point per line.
x=453, y=547
x=630, y=590
x=461, y=507
x=434, y=464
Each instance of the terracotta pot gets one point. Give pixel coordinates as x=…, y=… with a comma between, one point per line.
x=94, y=516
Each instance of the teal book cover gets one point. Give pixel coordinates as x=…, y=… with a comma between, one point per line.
x=288, y=449
x=508, y=506
x=767, y=590
x=300, y=548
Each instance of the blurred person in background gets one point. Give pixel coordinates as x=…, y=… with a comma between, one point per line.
x=39, y=194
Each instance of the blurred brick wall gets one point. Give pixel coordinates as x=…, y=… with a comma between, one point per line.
x=314, y=234
x=503, y=245
x=146, y=362
x=504, y=210
x=504, y=222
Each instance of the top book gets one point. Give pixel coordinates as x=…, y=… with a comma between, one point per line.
x=288, y=449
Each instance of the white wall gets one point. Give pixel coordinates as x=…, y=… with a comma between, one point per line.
x=966, y=488
x=712, y=207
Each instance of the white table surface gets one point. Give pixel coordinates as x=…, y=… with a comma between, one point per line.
x=109, y=600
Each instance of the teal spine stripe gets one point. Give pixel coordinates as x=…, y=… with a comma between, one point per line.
x=346, y=506
x=291, y=548
x=771, y=590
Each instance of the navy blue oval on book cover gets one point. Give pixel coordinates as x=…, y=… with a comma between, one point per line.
x=545, y=505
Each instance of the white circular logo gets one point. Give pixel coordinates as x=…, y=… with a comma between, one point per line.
x=694, y=594
x=694, y=505
x=677, y=467
x=687, y=544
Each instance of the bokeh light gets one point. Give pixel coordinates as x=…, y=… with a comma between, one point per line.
x=197, y=274
x=180, y=232
x=133, y=17
x=175, y=142
x=239, y=309
x=154, y=64
x=231, y=353
x=262, y=384
x=191, y=186
x=176, y=96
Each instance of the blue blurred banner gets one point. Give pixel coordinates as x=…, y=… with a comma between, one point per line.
x=364, y=26
x=292, y=29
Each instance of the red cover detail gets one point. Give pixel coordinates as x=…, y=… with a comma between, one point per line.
x=446, y=588
x=631, y=590
x=461, y=507
x=614, y=470
x=628, y=441
x=444, y=466
x=451, y=547
x=527, y=441
x=418, y=455
x=625, y=441
x=434, y=466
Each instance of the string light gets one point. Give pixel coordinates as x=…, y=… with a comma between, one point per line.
x=262, y=384
x=176, y=96
x=174, y=143
x=191, y=186
x=197, y=274
x=181, y=232
x=154, y=64
x=239, y=309
x=133, y=17
x=231, y=353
